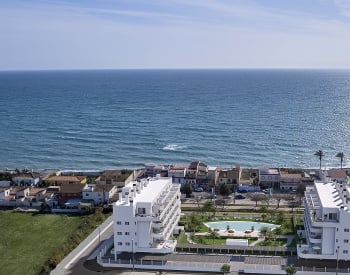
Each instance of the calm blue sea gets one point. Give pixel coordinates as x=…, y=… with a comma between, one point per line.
x=125, y=118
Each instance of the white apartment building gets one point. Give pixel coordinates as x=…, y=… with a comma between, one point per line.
x=145, y=216
x=99, y=193
x=327, y=222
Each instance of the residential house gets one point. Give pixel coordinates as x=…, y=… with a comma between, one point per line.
x=197, y=173
x=4, y=193
x=177, y=173
x=269, y=178
x=99, y=193
x=152, y=170
x=37, y=194
x=26, y=179
x=230, y=177
x=115, y=177
x=60, y=180
x=68, y=192
x=338, y=175
x=213, y=174
x=290, y=182
x=146, y=215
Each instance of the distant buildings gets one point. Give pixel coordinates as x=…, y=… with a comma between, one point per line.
x=146, y=215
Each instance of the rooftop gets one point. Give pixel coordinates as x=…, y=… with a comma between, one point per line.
x=329, y=196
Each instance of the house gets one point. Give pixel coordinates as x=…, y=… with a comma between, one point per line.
x=177, y=173
x=60, y=180
x=37, y=194
x=338, y=175
x=115, y=177
x=290, y=182
x=213, y=174
x=197, y=173
x=26, y=179
x=69, y=191
x=4, y=193
x=99, y=193
x=152, y=170
x=146, y=215
x=269, y=178
x=230, y=177
x=327, y=222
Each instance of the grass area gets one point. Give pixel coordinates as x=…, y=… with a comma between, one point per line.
x=28, y=240
x=182, y=238
x=271, y=243
x=218, y=240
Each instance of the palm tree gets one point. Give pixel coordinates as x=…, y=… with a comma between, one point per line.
x=341, y=156
x=320, y=155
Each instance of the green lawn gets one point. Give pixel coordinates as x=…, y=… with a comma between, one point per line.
x=27, y=240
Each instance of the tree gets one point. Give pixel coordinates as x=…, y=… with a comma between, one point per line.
x=340, y=155
x=290, y=270
x=213, y=233
x=187, y=189
x=194, y=222
x=225, y=269
x=209, y=207
x=224, y=190
x=320, y=155
x=256, y=197
x=278, y=197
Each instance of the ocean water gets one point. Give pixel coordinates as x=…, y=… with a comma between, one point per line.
x=125, y=118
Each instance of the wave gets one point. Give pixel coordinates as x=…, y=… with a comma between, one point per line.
x=174, y=147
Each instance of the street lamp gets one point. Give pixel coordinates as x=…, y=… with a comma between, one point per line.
x=337, y=259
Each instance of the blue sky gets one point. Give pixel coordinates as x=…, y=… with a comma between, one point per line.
x=44, y=34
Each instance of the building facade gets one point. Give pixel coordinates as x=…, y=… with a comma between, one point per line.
x=327, y=222
x=146, y=215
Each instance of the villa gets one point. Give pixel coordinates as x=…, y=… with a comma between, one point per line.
x=146, y=215
x=327, y=222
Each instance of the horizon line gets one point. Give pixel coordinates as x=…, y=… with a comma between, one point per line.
x=182, y=69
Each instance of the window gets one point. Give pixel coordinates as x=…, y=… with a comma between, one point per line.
x=127, y=244
x=120, y=243
x=346, y=230
x=119, y=233
x=141, y=211
x=346, y=241
x=119, y=222
x=126, y=223
x=86, y=194
x=127, y=233
x=345, y=251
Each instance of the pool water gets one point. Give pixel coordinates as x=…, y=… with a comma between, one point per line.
x=240, y=225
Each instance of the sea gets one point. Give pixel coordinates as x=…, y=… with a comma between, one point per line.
x=113, y=119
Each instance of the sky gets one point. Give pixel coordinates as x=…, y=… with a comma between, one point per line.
x=138, y=34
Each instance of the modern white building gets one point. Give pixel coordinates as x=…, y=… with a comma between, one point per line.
x=146, y=215
x=327, y=222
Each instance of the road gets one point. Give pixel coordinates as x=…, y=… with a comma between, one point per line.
x=77, y=257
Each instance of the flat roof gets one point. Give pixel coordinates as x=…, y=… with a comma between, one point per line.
x=329, y=196
x=151, y=191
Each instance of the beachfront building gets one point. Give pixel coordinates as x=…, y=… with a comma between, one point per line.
x=146, y=215
x=231, y=176
x=327, y=222
x=290, y=182
x=62, y=180
x=269, y=178
x=178, y=173
x=26, y=179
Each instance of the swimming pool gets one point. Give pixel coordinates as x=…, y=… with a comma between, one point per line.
x=240, y=225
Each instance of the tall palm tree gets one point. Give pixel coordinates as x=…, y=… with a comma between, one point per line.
x=341, y=156
x=320, y=155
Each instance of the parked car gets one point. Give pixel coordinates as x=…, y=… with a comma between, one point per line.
x=198, y=189
x=239, y=197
